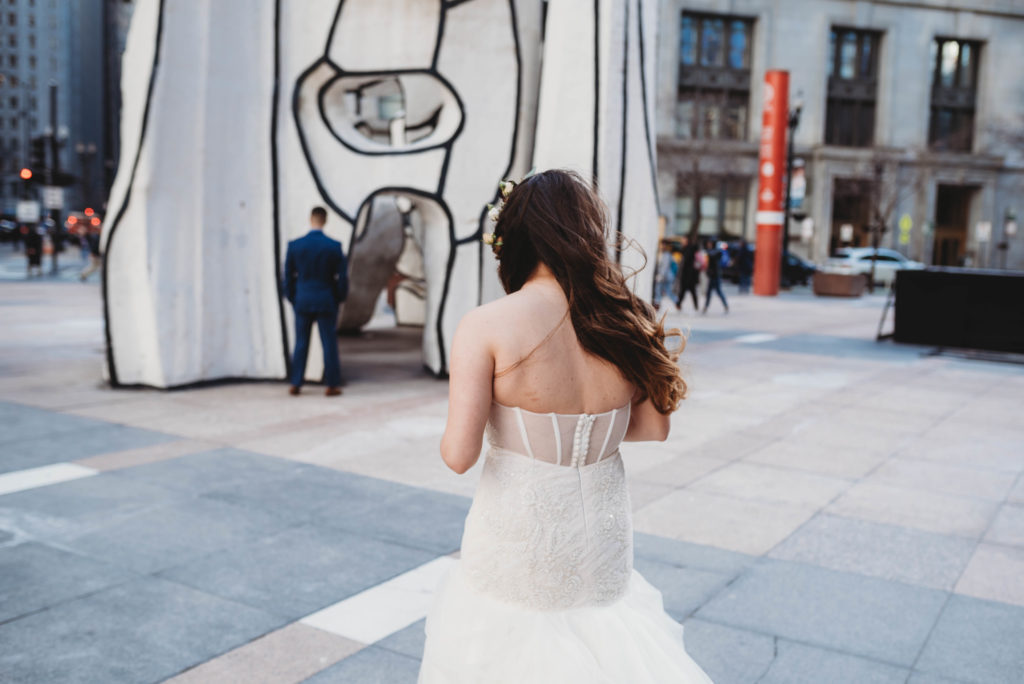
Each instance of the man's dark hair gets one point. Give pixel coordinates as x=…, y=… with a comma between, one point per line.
x=319, y=213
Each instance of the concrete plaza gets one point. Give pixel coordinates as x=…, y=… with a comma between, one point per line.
x=826, y=509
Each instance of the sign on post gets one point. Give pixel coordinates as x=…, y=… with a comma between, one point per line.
x=53, y=197
x=771, y=165
x=28, y=211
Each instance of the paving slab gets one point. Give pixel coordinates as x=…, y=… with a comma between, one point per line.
x=35, y=576
x=1008, y=526
x=915, y=508
x=728, y=655
x=373, y=665
x=408, y=641
x=71, y=509
x=141, y=631
x=214, y=469
x=76, y=444
x=976, y=641
x=312, y=494
x=299, y=570
x=942, y=478
x=995, y=573
x=770, y=484
x=889, y=552
x=881, y=620
x=284, y=656
x=419, y=519
x=686, y=555
x=837, y=461
x=683, y=590
x=802, y=664
x=178, y=532
x=751, y=527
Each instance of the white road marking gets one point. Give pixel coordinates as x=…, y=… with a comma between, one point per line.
x=384, y=609
x=20, y=480
x=756, y=338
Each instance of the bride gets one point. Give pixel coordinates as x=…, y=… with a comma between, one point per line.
x=557, y=374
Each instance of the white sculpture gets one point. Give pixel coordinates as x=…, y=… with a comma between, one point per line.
x=241, y=115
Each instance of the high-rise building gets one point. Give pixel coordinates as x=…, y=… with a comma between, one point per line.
x=910, y=127
x=74, y=45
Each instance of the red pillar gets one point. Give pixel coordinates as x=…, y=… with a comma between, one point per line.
x=771, y=167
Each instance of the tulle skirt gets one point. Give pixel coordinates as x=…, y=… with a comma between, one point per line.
x=475, y=639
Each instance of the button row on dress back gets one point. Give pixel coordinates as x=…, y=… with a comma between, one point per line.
x=581, y=440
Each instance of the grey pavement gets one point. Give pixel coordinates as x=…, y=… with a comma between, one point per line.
x=826, y=509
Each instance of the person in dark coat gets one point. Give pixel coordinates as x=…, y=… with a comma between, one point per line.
x=316, y=283
x=714, y=274
x=33, y=249
x=689, y=276
x=745, y=266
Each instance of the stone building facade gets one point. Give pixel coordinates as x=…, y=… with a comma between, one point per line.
x=911, y=127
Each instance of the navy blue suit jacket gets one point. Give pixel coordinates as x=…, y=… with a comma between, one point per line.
x=315, y=273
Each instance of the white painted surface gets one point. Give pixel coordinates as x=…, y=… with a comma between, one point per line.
x=756, y=338
x=386, y=608
x=20, y=480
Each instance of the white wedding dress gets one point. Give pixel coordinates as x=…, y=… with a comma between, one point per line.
x=545, y=590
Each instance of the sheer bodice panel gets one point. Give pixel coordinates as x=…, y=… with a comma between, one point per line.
x=563, y=439
x=550, y=526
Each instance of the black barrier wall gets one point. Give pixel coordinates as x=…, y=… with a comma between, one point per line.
x=959, y=307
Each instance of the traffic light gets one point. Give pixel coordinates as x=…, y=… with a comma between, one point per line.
x=37, y=154
x=26, y=174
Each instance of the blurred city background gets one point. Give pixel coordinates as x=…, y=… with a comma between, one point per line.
x=842, y=495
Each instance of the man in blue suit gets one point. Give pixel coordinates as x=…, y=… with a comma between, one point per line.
x=316, y=282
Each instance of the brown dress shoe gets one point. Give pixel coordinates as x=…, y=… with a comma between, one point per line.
x=332, y=391
x=294, y=390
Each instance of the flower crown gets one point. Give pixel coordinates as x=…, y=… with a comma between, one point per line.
x=505, y=188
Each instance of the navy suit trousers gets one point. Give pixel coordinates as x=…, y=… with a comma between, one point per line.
x=328, y=338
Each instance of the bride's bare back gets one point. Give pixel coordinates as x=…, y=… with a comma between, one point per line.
x=522, y=350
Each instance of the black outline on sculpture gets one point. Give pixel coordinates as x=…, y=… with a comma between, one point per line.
x=321, y=94
x=625, y=123
x=274, y=189
x=647, y=113
x=437, y=196
x=158, y=42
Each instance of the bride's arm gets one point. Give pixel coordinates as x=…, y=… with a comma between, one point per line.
x=646, y=423
x=469, y=393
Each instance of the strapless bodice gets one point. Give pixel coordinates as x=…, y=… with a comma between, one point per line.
x=569, y=439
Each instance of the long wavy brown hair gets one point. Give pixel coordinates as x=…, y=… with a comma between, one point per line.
x=555, y=217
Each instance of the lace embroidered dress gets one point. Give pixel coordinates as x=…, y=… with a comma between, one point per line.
x=545, y=590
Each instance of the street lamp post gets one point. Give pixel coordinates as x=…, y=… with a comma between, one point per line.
x=792, y=122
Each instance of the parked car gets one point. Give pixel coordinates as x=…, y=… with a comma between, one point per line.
x=858, y=260
x=797, y=271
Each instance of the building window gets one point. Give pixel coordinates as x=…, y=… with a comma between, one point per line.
x=954, y=92
x=12, y=19
x=31, y=40
x=32, y=61
x=714, y=76
x=12, y=40
x=14, y=102
x=721, y=203
x=32, y=20
x=12, y=60
x=852, y=87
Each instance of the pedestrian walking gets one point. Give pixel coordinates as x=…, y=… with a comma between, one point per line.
x=316, y=283
x=33, y=240
x=745, y=265
x=665, y=274
x=92, y=242
x=714, y=273
x=689, y=274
